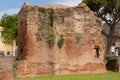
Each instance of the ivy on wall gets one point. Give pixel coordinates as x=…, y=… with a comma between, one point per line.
x=60, y=41
x=78, y=38
x=51, y=36
x=46, y=29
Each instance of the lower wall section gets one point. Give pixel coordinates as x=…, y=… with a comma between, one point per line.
x=6, y=68
x=6, y=75
x=27, y=69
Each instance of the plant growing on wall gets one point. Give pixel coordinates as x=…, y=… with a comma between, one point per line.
x=43, y=10
x=60, y=41
x=47, y=31
x=78, y=38
x=113, y=57
x=51, y=36
x=51, y=18
x=63, y=19
x=48, y=35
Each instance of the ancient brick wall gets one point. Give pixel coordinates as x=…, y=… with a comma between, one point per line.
x=22, y=29
x=45, y=26
x=6, y=68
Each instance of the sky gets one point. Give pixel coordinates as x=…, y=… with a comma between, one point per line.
x=13, y=6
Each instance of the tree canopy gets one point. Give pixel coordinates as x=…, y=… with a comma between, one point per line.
x=10, y=26
x=109, y=12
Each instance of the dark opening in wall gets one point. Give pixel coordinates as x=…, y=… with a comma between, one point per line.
x=97, y=48
x=113, y=44
x=22, y=55
x=8, y=53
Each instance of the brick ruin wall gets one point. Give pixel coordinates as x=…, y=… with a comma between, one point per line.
x=41, y=28
x=6, y=68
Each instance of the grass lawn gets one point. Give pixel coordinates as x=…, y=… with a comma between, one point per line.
x=105, y=76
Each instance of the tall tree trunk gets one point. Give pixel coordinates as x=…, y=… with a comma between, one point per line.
x=110, y=40
x=109, y=44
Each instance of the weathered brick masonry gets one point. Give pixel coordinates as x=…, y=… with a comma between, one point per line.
x=6, y=68
x=42, y=27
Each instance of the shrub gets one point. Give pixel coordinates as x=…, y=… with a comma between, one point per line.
x=111, y=57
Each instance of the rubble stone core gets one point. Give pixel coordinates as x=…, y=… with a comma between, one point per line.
x=6, y=68
x=40, y=29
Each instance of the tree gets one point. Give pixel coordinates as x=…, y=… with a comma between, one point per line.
x=109, y=12
x=10, y=26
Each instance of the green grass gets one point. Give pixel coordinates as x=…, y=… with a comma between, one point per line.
x=103, y=76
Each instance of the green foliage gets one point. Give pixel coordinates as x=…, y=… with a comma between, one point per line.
x=38, y=35
x=51, y=36
x=68, y=9
x=46, y=33
x=111, y=57
x=60, y=42
x=10, y=26
x=63, y=19
x=102, y=8
x=109, y=12
x=49, y=29
x=51, y=18
x=43, y=10
x=78, y=38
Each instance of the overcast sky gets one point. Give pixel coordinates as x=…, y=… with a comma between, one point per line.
x=13, y=6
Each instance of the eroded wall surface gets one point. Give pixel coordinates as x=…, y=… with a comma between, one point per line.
x=40, y=29
x=6, y=68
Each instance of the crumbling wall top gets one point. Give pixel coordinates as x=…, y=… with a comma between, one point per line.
x=53, y=6
x=26, y=4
